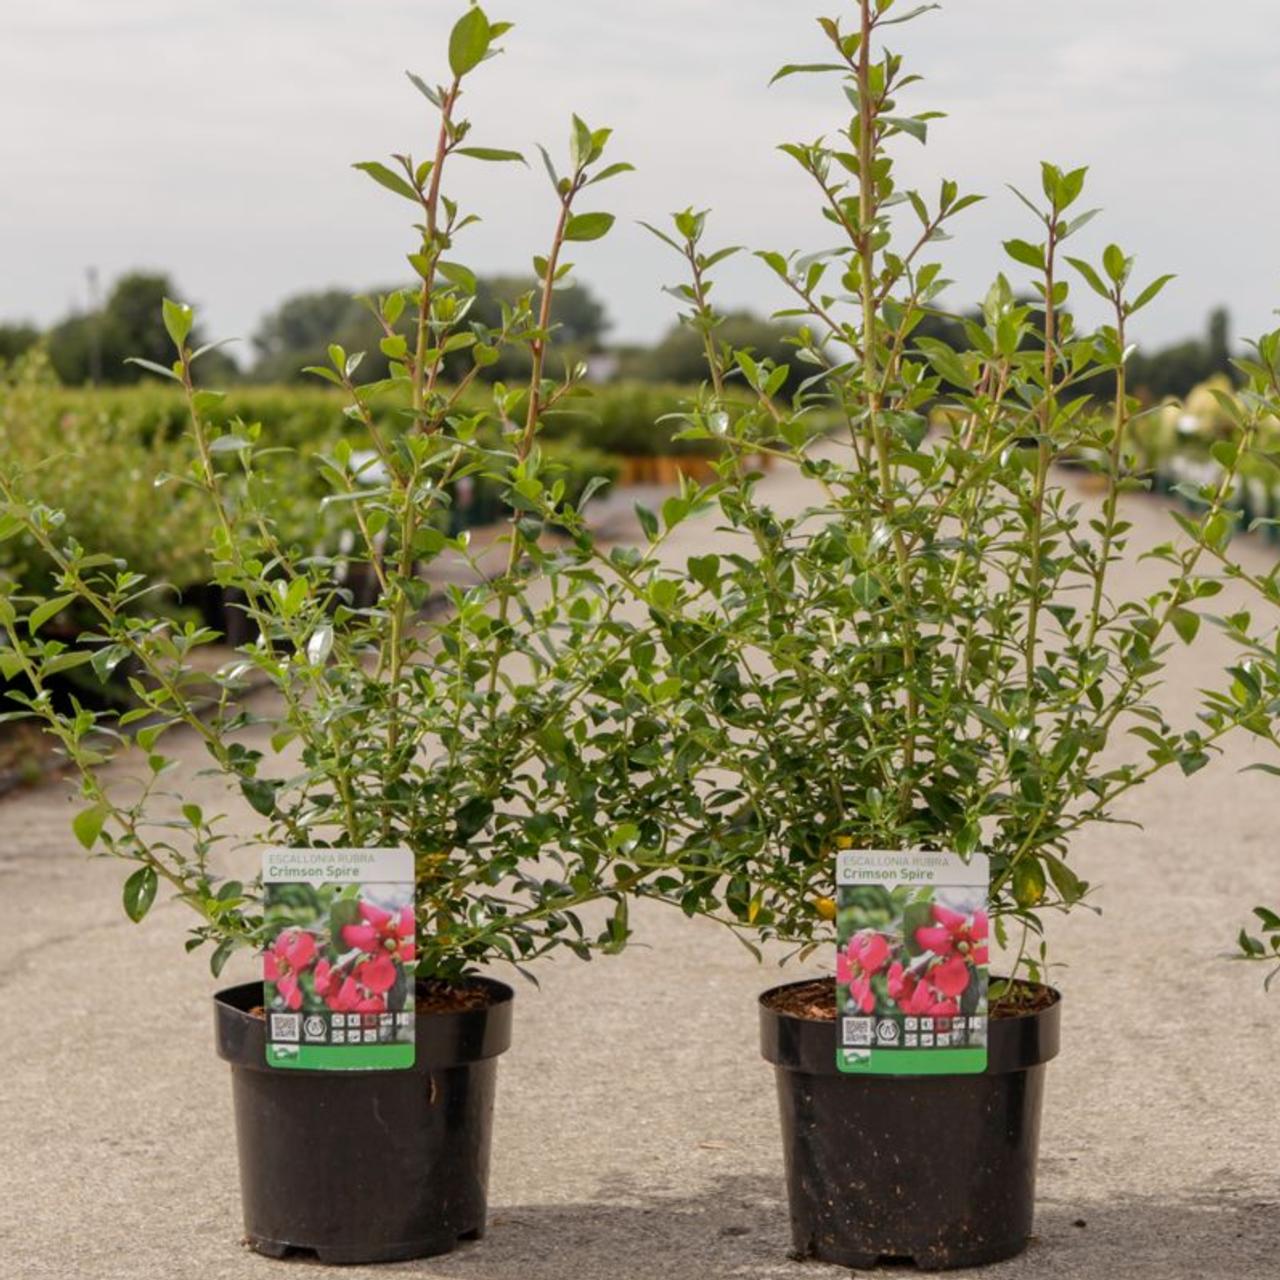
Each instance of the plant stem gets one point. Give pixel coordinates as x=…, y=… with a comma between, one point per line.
x=868, y=213
x=1044, y=456
x=533, y=412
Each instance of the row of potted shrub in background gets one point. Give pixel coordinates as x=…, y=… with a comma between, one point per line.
x=932, y=653
x=121, y=455
x=1186, y=447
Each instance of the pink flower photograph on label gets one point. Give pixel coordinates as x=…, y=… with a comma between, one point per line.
x=284, y=963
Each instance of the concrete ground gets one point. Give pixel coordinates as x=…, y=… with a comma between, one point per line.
x=636, y=1135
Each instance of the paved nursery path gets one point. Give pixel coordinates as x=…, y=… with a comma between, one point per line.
x=636, y=1135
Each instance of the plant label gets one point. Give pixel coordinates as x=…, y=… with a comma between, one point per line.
x=911, y=969
x=339, y=961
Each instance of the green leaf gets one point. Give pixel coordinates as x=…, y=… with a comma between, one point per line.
x=385, y=177
x=1224, y=453
x=65, y=662
x=588, y=226
x=230, y=444
x=151, y=367
x=320, y=645
x=804, y=68
x=424, y=88
x=1218, y=529
x=662, y=235
x=705, y=570
x=624, y=837
x=580, y=143
x=1149, y=293
x=1030, y=255
x=1185, y=623
x=1091, y=277
x=749, y=367
x=612, y=171
x=674, y=509
x=591, y=488
x=909, y=16
x=291, y=596
x=140, y=893
x=1028, y=883
x=221, y=954
x=550, y=167
x=261, y=794
x=866, y=589
x=43, y=612
x=911, y=125
x=648, y=521
x=1250, y=946
x=471, y=818
x=469, y=42
x=178, y=319
x=946, y=362
x=490, y=153
x=1115, y=263
x=456, y=274
x=87, y=824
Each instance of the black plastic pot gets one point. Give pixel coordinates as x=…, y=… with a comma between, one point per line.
x=935, y=1170
x=365, y=1166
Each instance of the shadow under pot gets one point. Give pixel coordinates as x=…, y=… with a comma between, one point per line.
x=366, y=1166
x=938, y=1171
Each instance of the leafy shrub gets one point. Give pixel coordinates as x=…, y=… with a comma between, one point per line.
x=460, y=735
x=934, y=649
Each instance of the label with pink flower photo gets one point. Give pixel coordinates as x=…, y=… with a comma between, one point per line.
x=337, y=971
x=911, y=969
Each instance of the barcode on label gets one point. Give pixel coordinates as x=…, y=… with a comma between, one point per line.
x=859, y=1032
x=286, y=1027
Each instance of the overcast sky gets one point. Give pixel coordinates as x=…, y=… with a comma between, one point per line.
x=213, y=138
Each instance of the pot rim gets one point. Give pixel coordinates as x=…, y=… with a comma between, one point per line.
x=443, y=1039
x=792, y=1043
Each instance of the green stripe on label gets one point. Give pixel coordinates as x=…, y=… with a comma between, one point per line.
x=332, y=1057
x=913, y=1062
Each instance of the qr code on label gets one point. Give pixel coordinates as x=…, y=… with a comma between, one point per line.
x=859, y=1032
x=286, y=1027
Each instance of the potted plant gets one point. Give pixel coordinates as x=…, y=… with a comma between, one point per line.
x=441, y=720
x=927, y=650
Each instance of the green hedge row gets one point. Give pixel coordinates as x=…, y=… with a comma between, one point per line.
x=625, y=418
x=105, y=458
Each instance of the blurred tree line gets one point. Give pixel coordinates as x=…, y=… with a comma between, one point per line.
x=299, y=331
x=1173, y=371
x=92, y=346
